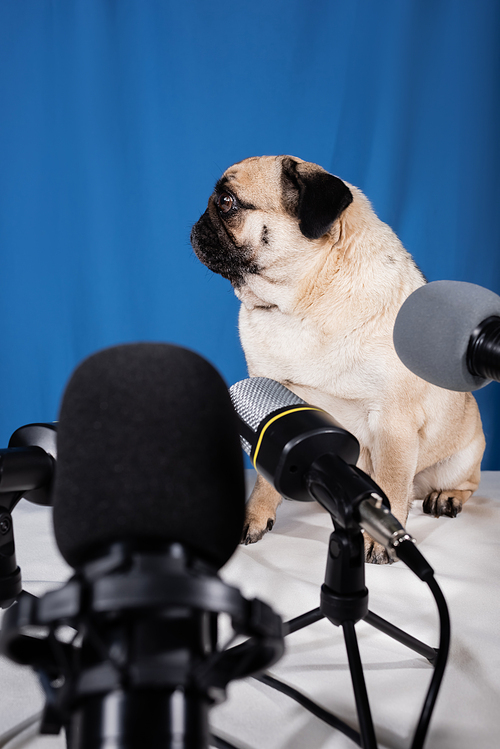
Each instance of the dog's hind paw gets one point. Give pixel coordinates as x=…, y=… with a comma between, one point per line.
x=375, y=553
x=443, y=503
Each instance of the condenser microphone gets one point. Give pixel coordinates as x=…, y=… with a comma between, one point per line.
x=448, y=333
x=283, y=434
x=149, y=503
x=306, y=455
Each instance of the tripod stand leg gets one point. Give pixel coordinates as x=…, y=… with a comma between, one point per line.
x=368, y=739
x=303, y=621
x=403, y=637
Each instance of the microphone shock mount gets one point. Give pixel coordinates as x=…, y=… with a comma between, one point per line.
x=143, y=665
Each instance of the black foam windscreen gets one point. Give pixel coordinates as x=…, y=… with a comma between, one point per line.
x=148, y=452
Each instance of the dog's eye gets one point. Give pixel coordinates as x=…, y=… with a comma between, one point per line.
x=225, y=202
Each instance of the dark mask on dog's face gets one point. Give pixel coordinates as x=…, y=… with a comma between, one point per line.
x=253, y=201
x=214, y=239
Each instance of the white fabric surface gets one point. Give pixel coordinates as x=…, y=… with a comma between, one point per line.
x=286, y=569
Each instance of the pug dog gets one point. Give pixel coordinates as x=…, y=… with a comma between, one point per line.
x=321, y=279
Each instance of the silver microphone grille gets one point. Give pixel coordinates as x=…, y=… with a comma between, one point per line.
x=257, y=397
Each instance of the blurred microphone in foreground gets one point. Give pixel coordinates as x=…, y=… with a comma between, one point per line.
x=448, y=333
x=148, y=505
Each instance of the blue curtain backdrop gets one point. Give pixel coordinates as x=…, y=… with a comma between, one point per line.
x=118, y=116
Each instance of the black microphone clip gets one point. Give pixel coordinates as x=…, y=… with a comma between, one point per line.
x=287, y=443
x=26, y=470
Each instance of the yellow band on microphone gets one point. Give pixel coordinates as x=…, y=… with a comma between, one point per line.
x=275, y=418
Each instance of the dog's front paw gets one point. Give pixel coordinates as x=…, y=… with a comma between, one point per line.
x=260, y=511
x=442, y=503
x=375, y=553
x=256, y=525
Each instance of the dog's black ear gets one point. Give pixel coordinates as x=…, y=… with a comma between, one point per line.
x=316, y=197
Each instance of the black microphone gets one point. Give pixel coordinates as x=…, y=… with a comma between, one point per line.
x=147, y=451
x=26, y=470
x=305, y=454
x=149, y=503
x=448, y=333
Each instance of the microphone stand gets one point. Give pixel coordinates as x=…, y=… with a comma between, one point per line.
x=10, y=573
x=344, y=597
x=344, y=602
x=144, y=665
